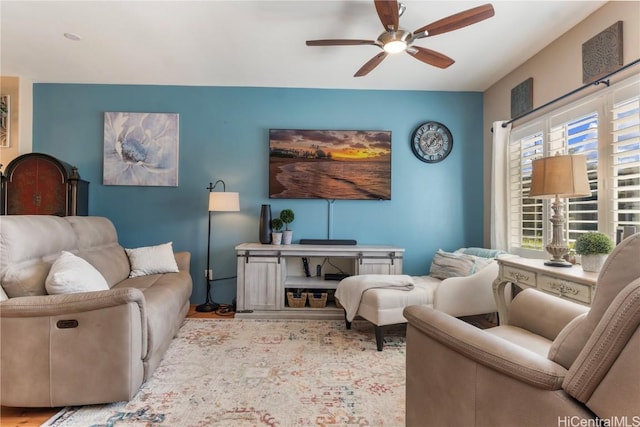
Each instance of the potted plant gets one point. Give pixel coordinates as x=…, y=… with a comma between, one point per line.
x=593, y=248
x=287, y=216
x=276, y=234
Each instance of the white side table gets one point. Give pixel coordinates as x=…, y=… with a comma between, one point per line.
x=570, y=283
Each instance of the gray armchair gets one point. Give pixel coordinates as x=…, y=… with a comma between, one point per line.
x=553, y=361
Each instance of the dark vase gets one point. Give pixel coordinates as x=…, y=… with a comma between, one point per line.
x=265, y=224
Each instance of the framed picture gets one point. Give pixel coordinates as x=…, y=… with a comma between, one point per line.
x=140, y=149
x=5, y=121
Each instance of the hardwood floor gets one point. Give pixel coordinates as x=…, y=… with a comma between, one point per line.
x=25, y=416
x=34, y=417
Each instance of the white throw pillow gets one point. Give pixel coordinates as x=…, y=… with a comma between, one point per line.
x=71, y=274
x=152, y=260
x=26, y=279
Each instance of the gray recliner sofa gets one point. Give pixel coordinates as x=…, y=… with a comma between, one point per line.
x=80, y=348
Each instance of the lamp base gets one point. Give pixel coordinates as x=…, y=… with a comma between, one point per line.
x=207, y=307
x=558, y=263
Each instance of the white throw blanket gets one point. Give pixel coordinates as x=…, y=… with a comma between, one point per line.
x=349, y=291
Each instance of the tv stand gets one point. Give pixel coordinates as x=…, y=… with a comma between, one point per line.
x=267, y=272
x=328, y=242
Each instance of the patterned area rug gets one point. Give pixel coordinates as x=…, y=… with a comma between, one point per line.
x=265, y=373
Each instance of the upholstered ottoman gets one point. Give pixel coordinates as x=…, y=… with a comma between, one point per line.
x=384, y=306
x=459, y=284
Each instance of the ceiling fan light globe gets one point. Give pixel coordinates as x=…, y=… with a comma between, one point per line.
x=395, y=46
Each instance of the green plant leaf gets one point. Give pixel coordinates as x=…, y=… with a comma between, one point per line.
x=593, y=243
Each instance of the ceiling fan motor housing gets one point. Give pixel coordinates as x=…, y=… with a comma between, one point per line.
x=401, y=38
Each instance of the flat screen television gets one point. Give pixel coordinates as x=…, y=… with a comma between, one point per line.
x=330, y=164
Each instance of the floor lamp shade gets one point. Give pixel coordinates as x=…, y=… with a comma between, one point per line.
x=224, y=201
x=559, y=177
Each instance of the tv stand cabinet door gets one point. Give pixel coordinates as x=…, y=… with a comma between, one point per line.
x=260, y=283
x=379, y=266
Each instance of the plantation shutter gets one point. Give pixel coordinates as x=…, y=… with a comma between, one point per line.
x=625, y=162
x=578, y=135
x=525, y=213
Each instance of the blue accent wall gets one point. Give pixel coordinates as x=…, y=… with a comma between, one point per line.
x=224, y=135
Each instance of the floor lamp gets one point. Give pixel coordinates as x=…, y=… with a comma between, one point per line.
x=552, y=178
x=219, y=201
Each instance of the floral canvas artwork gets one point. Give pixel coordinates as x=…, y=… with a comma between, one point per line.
x=141, y=149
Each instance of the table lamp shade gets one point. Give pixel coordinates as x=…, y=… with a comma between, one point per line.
x=222, y=201
x=561, y=176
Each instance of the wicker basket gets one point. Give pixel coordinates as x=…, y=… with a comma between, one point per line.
x=331, y=298
x=318, y=300
x=296, y=301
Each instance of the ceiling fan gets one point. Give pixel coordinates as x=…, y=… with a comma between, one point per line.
x=395, y=40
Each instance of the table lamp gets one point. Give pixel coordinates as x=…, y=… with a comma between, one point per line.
x=560, y=176
x=219, y=201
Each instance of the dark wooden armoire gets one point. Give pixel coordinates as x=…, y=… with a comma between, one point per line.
x=40, y=184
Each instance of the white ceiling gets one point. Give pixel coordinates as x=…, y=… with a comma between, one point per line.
x=262, y=43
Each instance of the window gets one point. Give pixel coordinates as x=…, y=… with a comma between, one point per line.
x=605, y=127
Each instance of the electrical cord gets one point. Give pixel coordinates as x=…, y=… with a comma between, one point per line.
x=224, y=309
x=327, y=260
x=224, y=278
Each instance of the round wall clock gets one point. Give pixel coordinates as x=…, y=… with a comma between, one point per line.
x=431, y=142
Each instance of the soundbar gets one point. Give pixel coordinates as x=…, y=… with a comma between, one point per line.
x=328, y=242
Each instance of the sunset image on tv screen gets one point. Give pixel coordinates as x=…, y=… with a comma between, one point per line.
x=329, y=164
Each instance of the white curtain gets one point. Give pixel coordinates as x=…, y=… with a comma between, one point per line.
x=499, y=231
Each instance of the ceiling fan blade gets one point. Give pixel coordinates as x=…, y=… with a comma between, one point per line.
x=338, y=42
x=456, y=21
x=371, y=64
x=430, y=57
x=388, y=14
